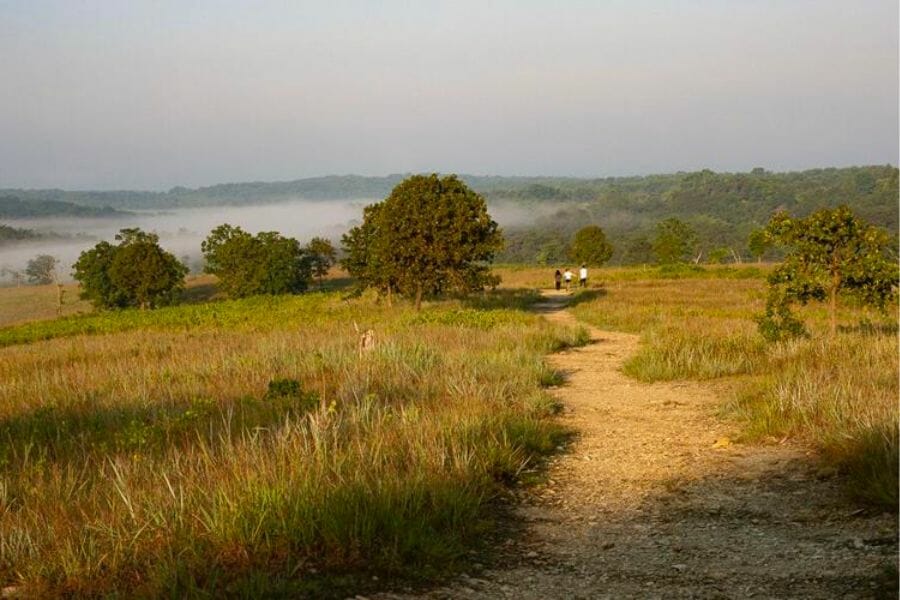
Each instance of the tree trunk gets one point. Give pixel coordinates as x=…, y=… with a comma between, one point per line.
x=832, y=304
x=418, y=296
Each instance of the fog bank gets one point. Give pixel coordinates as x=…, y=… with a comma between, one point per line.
x=182, y=230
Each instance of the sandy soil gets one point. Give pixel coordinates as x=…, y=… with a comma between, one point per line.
x=652, y=500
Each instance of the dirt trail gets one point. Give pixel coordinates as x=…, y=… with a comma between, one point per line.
x=651, y=502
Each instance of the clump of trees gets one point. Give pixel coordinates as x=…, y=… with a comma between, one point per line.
x=135, y=272
x=265, y=263
x=590, y=247
x=430, y=235
x=831, y=254
x=675, y=242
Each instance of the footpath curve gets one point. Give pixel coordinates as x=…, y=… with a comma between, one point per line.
x=652, y=501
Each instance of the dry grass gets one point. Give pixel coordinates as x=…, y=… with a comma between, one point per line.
x=181, y=460
x=838, y=394
x=35, y=302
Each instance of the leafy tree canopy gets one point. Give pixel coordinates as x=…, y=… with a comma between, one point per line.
x=830, y=254
x=322, y=256
x=246, y=265
x=675, y=242
x=590, y=247
x=136, y=272
x=432, y=234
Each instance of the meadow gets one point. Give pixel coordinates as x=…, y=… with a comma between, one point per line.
x=248, y=448
x=835, y=394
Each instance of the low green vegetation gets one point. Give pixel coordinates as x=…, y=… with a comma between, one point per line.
x=253, y=448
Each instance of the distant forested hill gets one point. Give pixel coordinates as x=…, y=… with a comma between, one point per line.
x=11, y=235
x=722, y=207
x=13, y=207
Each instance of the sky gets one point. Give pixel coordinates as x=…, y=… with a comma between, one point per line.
x=154, y=94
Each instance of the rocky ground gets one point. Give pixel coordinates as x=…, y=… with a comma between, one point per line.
x=653, y=500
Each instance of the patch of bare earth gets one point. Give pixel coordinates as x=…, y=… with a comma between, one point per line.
x=652, y=501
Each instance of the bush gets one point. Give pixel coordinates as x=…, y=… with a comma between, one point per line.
x=247, y=265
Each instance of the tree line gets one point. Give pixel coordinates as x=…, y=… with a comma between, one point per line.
x=137, y=272
x=433, y=235
x=722, y=209
x=430, y=236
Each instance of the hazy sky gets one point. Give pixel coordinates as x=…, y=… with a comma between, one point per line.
x=149, y=95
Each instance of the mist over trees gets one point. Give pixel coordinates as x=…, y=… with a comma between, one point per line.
x=41, y=270
x=723, y=209
x=9, y=235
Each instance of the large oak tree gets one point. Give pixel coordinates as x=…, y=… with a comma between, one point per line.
x=431, y=235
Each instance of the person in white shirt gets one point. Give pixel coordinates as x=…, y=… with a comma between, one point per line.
x=582, y=276
x=567, y=277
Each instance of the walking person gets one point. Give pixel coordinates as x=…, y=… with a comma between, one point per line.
x=567, y=276
x=557, y=279
x=582, y=276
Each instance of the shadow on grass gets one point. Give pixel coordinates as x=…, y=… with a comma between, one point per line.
x=85, y=430
x=198, y=294
x=556, y=302
x=332, y=285
x=504, y=298
x=871, y=329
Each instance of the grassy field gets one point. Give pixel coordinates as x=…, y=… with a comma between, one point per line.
x=837, y=394
x=29, y=303
x=248, y=447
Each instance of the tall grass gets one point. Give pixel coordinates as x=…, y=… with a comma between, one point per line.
x=258, y=452
x=841, y=394
x=838, y=394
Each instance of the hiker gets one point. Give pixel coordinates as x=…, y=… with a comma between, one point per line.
x=568, y=278
x=582, y=276
x=557, y=278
